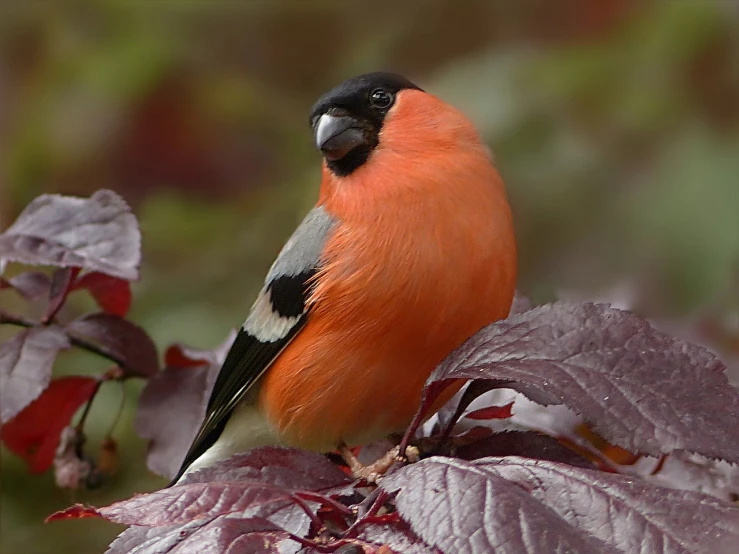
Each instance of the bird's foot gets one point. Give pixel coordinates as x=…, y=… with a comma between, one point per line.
x=373, y=472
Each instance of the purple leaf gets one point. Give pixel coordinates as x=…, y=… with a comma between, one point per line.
x=628, y=513
x=240, y=484
x=25, y=366
x=171, y=408
x=397, y=536
x=243, y=496
x=172, y=405
x=32, y=285
x=520, y=304
x=639, y=388
x=127, y=342
x=529, y=444
x=183, y=503
x=206, y=536
x=288, y=468
x=98, y=233
x=445, y=500
x=462, y=509
x=61, y=283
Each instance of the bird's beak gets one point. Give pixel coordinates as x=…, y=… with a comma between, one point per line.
x=336, y=136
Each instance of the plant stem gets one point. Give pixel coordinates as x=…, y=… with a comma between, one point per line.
x=317, y=497
x=377, y=500
x=317, y=523
x=83, y=417
x=120, y=409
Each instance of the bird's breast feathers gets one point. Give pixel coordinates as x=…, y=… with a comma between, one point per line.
x=389, y=302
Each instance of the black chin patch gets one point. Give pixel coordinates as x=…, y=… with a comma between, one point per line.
x=354, y=159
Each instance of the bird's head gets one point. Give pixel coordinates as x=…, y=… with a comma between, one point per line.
x=347, y=121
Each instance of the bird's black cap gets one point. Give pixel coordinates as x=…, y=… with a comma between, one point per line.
x=353, y=94
x=357, y=109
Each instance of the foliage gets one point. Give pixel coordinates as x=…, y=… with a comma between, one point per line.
x=101, y=237
x=475, y=490
x=614, y=125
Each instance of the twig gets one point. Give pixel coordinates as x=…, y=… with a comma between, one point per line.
x=660, y=465
x=120, y=409
x=317, y=523
x=321, y=499
x=590, y=449
x=376, y=503
x=83, y=417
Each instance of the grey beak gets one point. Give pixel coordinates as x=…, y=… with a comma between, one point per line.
x=336, y=136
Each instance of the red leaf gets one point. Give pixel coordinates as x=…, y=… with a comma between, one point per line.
x=172, y=405
x=34, y=433
x=179, y=356
x=126, y=341
x=98, y=233
x=78, y=511
x=31, y=284
x=471, y=435
x=491, y=412
x=25, y=366
x=112, y=294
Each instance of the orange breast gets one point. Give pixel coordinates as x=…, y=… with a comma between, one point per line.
x=404, y=283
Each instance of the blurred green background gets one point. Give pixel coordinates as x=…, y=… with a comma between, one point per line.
x=615, y=125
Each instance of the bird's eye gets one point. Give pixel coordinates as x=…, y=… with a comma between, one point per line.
x=381, y=99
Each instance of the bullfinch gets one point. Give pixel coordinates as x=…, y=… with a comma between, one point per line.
x=409, y=251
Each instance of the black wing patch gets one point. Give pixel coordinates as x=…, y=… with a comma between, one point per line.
x=248, y=359
x=287, y=299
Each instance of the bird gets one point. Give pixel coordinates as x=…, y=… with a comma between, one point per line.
x=409, y=251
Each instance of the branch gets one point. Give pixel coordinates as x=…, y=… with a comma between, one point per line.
x=20, y=321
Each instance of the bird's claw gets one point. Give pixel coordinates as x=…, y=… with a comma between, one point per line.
x=412, y=455
x=374, y=472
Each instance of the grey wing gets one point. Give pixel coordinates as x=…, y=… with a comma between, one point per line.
x=274, y=320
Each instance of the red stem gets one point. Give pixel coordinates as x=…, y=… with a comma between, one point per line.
x=315, y=497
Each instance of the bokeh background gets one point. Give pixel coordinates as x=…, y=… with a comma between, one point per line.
x=615, y=125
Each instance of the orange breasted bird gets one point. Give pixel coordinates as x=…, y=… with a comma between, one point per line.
x=409, y=251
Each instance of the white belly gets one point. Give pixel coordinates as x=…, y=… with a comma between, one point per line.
x=246, y=428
